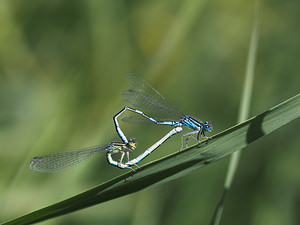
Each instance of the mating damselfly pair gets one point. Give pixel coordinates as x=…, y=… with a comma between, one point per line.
x=146, y=100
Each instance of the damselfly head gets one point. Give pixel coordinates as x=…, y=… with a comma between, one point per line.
x=207, y=126
x=132, y=143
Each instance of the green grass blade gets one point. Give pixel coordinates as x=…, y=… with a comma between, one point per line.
x=174, y=165
x=248, y=85
x=244, y=107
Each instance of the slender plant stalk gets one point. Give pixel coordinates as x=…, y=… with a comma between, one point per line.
x=244, y=107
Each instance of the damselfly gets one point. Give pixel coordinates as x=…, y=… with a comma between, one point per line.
x=144, y=97
x=60, y=161
x=136, y=160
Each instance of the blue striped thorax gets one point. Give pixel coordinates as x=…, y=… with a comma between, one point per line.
x=191, y=123
x=195, y=124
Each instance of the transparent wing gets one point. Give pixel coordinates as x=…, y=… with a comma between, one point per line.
x=60, y=161
x=136, y=119
x=140, y=119
x=146, y=98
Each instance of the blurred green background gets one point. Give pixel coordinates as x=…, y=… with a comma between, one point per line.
x=62, y=72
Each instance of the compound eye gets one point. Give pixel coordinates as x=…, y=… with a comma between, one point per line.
x=132, y=140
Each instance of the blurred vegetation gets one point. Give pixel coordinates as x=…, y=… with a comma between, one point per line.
x=62, y=72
